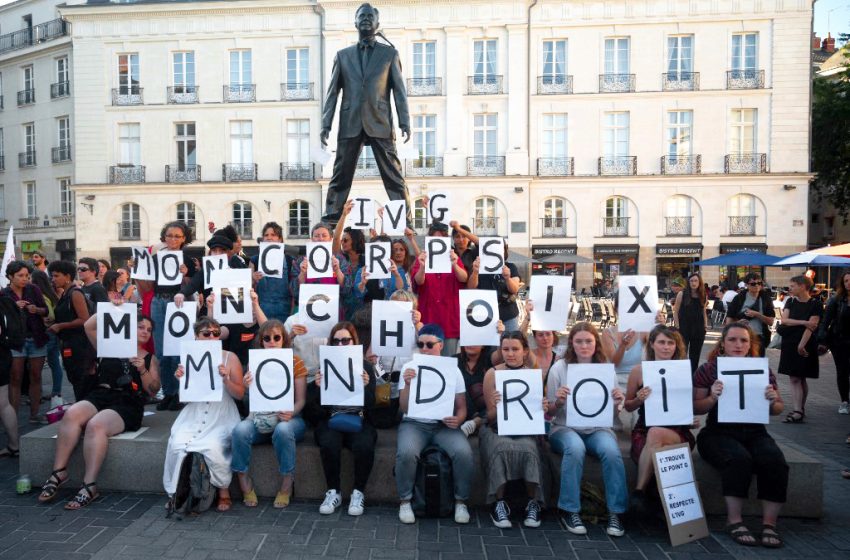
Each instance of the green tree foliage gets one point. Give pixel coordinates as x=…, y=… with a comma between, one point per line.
x=831, y=141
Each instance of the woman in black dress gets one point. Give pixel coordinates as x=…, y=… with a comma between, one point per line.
x=799, y=357
x=690, y=317
x=834, y=335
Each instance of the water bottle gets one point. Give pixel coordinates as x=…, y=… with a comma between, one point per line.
x=24, y=484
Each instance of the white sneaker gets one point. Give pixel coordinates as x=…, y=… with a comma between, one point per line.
x=332, y=501
x=358, y=501
x=844, y=408
x=405, y=513
x=461, y=513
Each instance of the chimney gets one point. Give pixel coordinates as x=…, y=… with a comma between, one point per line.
x=815, y=41
x=829, y=44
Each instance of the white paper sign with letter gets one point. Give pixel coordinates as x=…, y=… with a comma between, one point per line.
x=168, y=268
x=318, y=306
x=201, y=381
x=273, y=388
x=116, y=330
x=378, y=260
x=362, y=216
x=440, y=207
x=392, y=328
x=432, y=391
x=439, y=258
x=590, y=404
x=744, y=383
x=233, y=304
x=143, y=265
x=271, y=259
x=520, y=412
x=319, y=260
x=479, y=318
x=492, y=255
x=551, y=297
x=178, y=327
x=211, y=265
x=394, y=221
x=342, y=370
x=670, y=402
x=637, y=305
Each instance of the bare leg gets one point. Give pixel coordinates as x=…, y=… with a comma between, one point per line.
x=245, y=482
x=70, y=429
x=734, y=507
x=797, y=393
x=805, y=386
x=656, y=438
x=16, y=376
x=770, y=512
x=36, y=365
x=9, y=417
x=100, y=428
x=286, y=484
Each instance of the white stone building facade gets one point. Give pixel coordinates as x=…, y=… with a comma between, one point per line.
x=642, y=134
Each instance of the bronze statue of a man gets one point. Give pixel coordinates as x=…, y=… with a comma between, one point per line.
x=366, y=73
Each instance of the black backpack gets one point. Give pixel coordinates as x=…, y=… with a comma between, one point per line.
x=195, y=492
x=433, y=493
x=11, y=324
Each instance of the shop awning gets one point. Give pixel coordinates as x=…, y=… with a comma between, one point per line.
x=741, y=258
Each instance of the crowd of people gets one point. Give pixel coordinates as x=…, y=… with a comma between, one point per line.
x=59, y=325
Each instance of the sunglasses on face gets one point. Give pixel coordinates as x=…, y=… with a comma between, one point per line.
x=83, y=269
x=755, y=283
x=269, y=338
x=208, y=334
x=341, y=341
x=430, y=345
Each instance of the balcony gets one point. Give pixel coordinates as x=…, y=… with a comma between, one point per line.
x=426, y=166
x=680, y=81
x=742, y=225
x=28, y=223
x=182, y=95
x=26, y=159
x=615, y=226
x=296, y=91
x=616, y=83
x=553, y=227
x=245, y=228
x=617, y=165
x=60, y=89
x=40, y=33
x=745, y=163
x=66, y=220
x=183, y=173
x=484, y=85
x=239, y=93
x=486, y=226
x=554, y=85
x=298, y=229
x=485, y=166
x=555, y=167
x=421, y=87
x=125, y=95
x=744, y=79
x=126, y=174
x=238, y=172
x=681, y=165
x=61, y=153
x=129, y=231
x=297, y=172
x=366, y=167
x=678, y=226
x=26, y=97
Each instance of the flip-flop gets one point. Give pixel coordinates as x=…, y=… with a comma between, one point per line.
x=794, y=417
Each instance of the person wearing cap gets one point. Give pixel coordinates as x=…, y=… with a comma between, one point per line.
x=217, y=245
x=438, y=292
x=415, y=434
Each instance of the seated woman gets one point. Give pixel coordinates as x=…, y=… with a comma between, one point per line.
x=507, y=458
x=740, y=451
x=284, y=428
x=664, y=343
x=584, y=347
x=206, y=427
x=361, y=443
x=116, y=404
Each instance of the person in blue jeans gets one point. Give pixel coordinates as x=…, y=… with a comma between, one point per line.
x=284, y=428
x=585, y=347
x=414, y=435
x=275, y=296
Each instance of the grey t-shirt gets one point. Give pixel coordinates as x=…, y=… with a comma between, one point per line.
x=751, y=302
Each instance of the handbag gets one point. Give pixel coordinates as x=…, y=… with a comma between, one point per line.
x=346, y=422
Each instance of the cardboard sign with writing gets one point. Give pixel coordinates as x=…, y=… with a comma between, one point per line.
x=273, y=388
x=479, y=318
x=362, y=216
x=143, y=264
x=394, y=221
x=679, y=495
x=168, y=265
x=432, y=391
x=551, y=297
x=492, y=255
x=744, y=382
x=671, y=402
x=117, y=333
x=271, y=260
x=178, y=326
x=439, y=258
x=201, y=381
x=637, y=305
x=342, y=371
x=318, y=308
x=210, y=266
x=520, y=412
x=378, y=260
x=393, y=332
x=319, y=259
x=440, y=207
x=590, y=404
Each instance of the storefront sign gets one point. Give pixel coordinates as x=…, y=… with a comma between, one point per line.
x=65, y=245
x=615, y=249
x=737, y=248
x=30, y=246
x=541, y=251
x=676, y=250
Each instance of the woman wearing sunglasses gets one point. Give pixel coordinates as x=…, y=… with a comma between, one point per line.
x=507, y=458
x=283, y=428
x=755, y=306
x=338, y=429
x=206, y=427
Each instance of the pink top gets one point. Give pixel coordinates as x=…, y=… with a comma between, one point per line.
x=438, y=299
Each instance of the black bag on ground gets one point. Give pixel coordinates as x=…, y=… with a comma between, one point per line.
x=433, y=493
x=195, y=492
x=11, y=324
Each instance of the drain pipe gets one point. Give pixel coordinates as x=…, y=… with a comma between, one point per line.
x=530, y=73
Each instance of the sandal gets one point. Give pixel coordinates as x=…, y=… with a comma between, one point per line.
x=224, y=503
x=84, y=496
x=741, y=535
x=51, y=487
x=249, y=499
x=770, y=538
x=281, y=500
x=9, y=452
x=795, y=417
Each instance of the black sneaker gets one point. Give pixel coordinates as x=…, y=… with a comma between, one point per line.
x=175, y=404
x=532, y=514
x=165, y=402
x=501, y=515
x=572, y=523
x=615, y=526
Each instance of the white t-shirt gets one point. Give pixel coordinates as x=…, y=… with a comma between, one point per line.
x=460, y=386
x=729, y=295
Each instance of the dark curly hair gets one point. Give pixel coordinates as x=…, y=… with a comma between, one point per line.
x=182, y=226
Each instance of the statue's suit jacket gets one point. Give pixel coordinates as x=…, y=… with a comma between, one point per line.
x=366, y=95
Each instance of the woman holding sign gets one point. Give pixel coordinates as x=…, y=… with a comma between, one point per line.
x=740, y=450
x=507, y=458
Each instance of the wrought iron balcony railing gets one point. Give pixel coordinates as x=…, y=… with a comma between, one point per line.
x=125, y=95
x=485, y=166
x=297, y=172
x=298, y=229
x=60, y=89
x=745, y=79
x=554, y=84
x=182, y=94
x=485, y=85
x=26, y=159
x=617, y=165
x=678, y=225
x=126, y=174
x=420, y=87
x=426, y=166
x=617, y=226
x=296, y=91
x=742, y=225
x=183, y=173
x=60, y=154
x=555, y=167
x=553, y=227
x=245, y=228
x=366, y=167
x=129, y=231
x=745, y=163
x=486, y=225
x=680, y=81
x=681, y=165
x=26, y=97
x=40, y=33
x=238, y=172
x=616, y=83
x=239, y=93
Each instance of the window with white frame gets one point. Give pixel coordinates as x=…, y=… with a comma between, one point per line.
x=366, y=161
x=183, y=71
x=29, y=138
x=186, y=145
x=299, y=219
x=66, y=197
x=297, y=67
x=129, y=144
x=485, y=60
x=742, y=205
x=615, y=135
x=678, y=206
x=554, y=141
x=298, y=141
x=617, y=55
x=679, y=125
x=424, y=60
x=554, y=61
x=28, y=76
x=63, y=131
x=186, y=214
x=241, y=142
x=30, y=200
x=128, y=74
x=425, y=139
x=240, y=68
x=742, y=131
x=243, y=218
x=63, y=73
x=744, y=51
x=616, y=207
x=131, y=224
x=485, y=135
x=485, y=215
x=420, y=216
x=680, y=57
x=554, y=217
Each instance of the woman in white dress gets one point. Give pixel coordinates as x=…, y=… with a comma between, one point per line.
x=206, y=427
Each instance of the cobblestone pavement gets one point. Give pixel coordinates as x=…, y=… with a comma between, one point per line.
x=133, y=526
